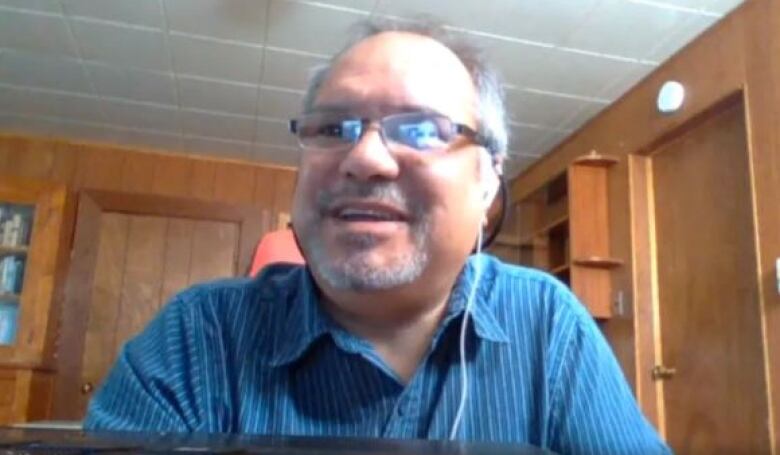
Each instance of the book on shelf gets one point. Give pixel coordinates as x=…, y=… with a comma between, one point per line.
x=14, y=226
x=11, y=274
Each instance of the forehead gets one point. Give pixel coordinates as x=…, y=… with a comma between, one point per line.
x=400, y=69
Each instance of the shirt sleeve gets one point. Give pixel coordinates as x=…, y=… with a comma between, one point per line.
x=593, y=410
x=153, y=386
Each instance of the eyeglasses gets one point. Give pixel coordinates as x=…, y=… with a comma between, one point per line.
x=418, y=131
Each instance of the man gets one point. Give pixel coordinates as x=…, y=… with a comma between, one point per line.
x=393, y=329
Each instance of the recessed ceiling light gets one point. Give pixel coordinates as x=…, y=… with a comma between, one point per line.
x=670, y=97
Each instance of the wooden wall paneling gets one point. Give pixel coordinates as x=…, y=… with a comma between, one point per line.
x=214, y=250
x=7, y=391
x=99, y=168
x=103, y=310
x=234, y=183
x=172, y=176
x=763, y=120
x=33, y=395
x=176, y=268
x=138, y=172
x=65, y=164
x=284, y=185
x=28, y=158
x=203, y=181
x=142, y=275
x=252, y=229
x=265, y=187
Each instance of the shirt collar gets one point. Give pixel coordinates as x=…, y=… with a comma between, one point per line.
x=306, y=321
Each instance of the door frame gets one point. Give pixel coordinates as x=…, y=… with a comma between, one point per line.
x=253, y=223
x=647, y=321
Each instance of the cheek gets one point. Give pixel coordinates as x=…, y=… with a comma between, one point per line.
x=457, y=208
x=312, y=175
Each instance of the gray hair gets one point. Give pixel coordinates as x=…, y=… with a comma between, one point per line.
x=491, y=114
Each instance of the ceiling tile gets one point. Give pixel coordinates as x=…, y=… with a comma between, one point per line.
x=549, y=21
x=278, y=104
x=522, y=139
x=274, y=133
x=137, y=12
x=48, y=104
x=241, y=20
x=285, y=156
x=216, y=147
x=35, y=32
x=62, y=128
x=37, y=70
x=579, y=74
x=541, y=109
x=623, y=82
x=285, y=69
x=10, y=122
x=692, y=4
x=51, y=6
x=625, y=28
x=152, y=139
x=580, y=116
x=216, y=60
x=675, y=40
x=92, y=132
x=721, y=6
x=362, y=5
x=222, y=126
x=466, y=14
x=309, y=28
x=549, y=142
x=217, y=96
x=122, y=46
x=516, y=62
x=132, y=115
x=133, y=84
x=518, y=164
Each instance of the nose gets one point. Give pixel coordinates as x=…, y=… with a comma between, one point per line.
x=370, y=159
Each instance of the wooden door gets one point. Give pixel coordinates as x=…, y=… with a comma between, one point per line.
x=709, y=308
x=131, y=254
x=142, y=261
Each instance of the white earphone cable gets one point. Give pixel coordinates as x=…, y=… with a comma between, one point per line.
x=464, y=378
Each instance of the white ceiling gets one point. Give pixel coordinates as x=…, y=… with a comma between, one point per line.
x=221, y=77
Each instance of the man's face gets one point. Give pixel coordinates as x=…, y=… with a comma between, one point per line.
x=373, y=218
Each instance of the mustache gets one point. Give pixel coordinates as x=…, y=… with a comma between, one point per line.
x=384, y=192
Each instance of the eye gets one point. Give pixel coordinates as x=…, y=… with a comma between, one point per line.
x=421, y=134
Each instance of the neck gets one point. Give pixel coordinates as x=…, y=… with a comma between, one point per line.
x=399, y=329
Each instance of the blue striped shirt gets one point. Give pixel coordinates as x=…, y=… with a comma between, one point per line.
x=261, y=356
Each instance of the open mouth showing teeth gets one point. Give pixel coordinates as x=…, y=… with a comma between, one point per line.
x=366, y=215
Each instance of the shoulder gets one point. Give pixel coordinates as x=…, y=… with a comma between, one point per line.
x=225, y=300
x=525, y=288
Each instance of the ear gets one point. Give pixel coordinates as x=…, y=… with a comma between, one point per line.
x=489, y=176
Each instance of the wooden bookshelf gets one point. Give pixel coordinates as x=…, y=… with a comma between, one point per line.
x=564, y=230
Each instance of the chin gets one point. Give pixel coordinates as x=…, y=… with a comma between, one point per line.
x=366, y=271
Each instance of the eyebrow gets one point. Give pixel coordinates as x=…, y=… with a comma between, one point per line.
x=380, y=109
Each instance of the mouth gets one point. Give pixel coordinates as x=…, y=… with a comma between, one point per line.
x=368, y=212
